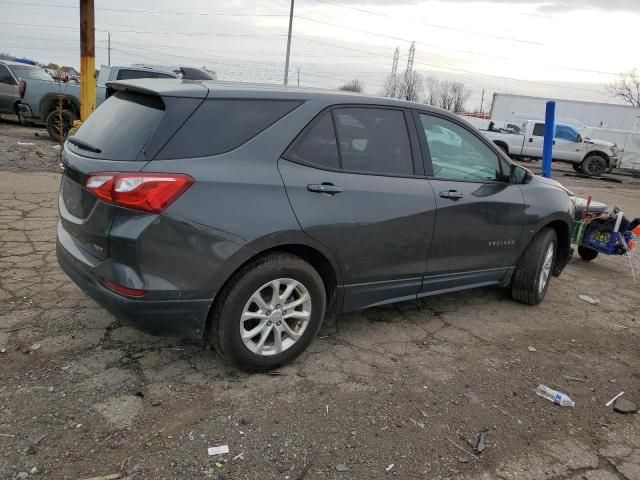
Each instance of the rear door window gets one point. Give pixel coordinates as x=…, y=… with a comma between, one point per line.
x=538, y=130
x=219, y=126
x=317, y=145
x=374, y=140
x=5, y=76
x=120, y=127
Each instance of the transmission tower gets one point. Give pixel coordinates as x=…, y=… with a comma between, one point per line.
x=394, y=67
x=412, y=54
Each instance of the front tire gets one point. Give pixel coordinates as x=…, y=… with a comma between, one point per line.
x=269, y=313
x=532, y=275
x=594, y=166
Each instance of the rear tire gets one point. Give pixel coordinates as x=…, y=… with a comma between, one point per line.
x=586, y=253
x=532, y=275
x=230, y=334
x=57, y=129
x=594, y=166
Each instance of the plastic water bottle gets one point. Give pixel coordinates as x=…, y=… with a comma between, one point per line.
x=555, y=396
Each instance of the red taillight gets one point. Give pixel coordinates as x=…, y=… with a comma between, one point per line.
x=147, y=192
x=22, y=88
x=130, y=292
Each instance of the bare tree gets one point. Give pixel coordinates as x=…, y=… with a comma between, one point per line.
x=627, y=87
x=355, y=85
x=391, y=86
x=411, y=87
x=432, y=87
x=445, y=96
x=460, y=94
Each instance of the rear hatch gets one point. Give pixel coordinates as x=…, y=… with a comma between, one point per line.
x=122, y=135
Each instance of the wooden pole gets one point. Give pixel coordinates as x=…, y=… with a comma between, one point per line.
x=87, y=59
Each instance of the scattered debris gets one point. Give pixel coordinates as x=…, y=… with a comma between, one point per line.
x=421, y=425
x=575, y=379
x=390, y=467
x=588, y=299
x=35, y=346
x=341, y=467
x=532, y=349
x=219, y=465
x=462, y=449
x=218, y=450
x=480, y=443
x=7, y=435
x=622, y=405
x=554, y=396
x=304, y=472
x=462, y=459
x=610, y=402
x=26, y=144
x=239, y=456
x=3, y=350
x=113, y=476
x=34, y=470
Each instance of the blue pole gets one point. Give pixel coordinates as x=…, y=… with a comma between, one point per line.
x=549, y=134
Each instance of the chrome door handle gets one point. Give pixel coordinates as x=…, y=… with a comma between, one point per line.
x=452, y=194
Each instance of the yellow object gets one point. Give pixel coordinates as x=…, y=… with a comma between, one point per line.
x=87, y=59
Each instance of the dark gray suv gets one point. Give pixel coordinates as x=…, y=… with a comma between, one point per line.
x=250, y=213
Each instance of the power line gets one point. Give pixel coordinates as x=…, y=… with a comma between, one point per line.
x=157, y=12
x=444, y=27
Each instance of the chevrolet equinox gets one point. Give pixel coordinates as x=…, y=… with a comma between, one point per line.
x=248, y=213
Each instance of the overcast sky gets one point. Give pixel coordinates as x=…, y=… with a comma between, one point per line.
x=555, y=48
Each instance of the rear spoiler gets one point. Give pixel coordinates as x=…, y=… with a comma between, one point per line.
x=189, y=73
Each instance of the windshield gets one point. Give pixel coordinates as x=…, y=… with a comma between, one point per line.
x=30, y=73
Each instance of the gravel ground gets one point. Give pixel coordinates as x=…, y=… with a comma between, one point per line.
x=392, y=392
x=35, y=150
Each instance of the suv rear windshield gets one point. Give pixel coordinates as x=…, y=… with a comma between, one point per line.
x=221, y=125
x=120, y=127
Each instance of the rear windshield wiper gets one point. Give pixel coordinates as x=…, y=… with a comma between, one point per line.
x=84, y=145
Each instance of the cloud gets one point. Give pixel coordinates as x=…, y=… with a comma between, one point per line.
x=544, y=6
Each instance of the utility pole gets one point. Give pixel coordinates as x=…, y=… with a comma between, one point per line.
x=412, y=54
x=482, y=102
x=394, y=66
x=109, y=49
x=298, y=76
x=87, y=59
x=286, y=63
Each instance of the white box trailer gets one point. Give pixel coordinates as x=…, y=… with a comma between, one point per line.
x=628, y=143
x=518, y=108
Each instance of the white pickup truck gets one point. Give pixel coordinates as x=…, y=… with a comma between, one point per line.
x=590, y=156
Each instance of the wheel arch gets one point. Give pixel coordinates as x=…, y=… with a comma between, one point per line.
x=503, y=145
x=326, y=267
x=51, y=100
x=564, y=252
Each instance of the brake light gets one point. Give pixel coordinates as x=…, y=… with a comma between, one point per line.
x=130, y=292
x=147, y=192
x=22, y=88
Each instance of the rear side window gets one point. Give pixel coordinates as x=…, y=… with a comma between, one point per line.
x=120, y=127
x=538, y=130
x=317, y=145
x=219, y=126
x=374, y=140
x=5, y=76
x=133, y=74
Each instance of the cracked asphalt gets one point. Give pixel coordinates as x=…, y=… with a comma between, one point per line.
x=411, y=385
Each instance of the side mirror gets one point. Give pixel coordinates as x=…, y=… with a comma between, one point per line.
x=519, y=175
x=579, y=139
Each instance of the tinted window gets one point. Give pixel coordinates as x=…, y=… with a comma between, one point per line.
x=373, y=140
x=133, y=74
x=317, y=144
x=538, y=130
x=458, y=154
x=121, y=126
x=33, y=73
x=564, y=132
x=5, y=76
x=218, y=126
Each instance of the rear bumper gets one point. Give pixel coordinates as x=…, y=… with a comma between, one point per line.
x=179, y=318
